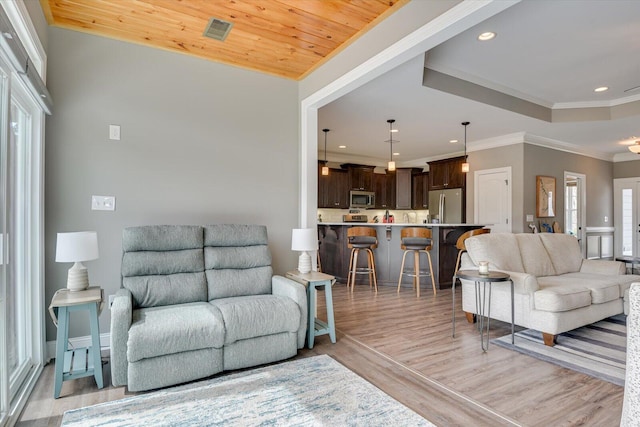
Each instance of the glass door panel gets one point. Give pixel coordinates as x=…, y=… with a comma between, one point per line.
x=19, y=131
x=4, y=378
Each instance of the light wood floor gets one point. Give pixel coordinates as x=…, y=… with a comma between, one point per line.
x=403, y=345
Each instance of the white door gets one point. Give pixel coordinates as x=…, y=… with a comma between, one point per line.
x=575, y=202
x=492, y=199
x=626, y=211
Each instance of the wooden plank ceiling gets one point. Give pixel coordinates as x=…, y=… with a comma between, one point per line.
x=287, y=38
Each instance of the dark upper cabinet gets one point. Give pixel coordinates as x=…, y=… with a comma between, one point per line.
x=385, y=189
x=420, y=191
x=447, y=173
x=333, y=189
x=360, y=177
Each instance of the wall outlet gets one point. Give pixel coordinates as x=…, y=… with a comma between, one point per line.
x=529, y=218
x=111, y=299
x=103, y=203
x=606, y=219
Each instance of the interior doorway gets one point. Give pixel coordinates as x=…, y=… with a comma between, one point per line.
x=575, y=202
x=626, y=211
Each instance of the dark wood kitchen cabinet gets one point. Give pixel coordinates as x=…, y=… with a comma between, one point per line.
x=360, y=177
x=420, y=191
x=403, y=188
x=385, y=189
x=333, y=189
x=447, y=173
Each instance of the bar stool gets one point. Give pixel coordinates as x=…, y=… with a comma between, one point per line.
x=461, y=246
x=365, y=238
x=416, y=240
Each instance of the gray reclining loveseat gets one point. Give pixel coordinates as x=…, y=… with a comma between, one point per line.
x=197, y=300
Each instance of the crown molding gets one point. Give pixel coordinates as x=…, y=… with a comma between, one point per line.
x=566, y=147
x=626, y=157
x=597, y=104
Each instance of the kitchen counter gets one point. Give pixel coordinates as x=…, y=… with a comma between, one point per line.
x=334, y=253
x=402, y=224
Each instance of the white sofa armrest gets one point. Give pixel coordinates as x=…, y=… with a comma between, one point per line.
x=286, y=287
x=601, y=266
x=523, y=283
x=121, y=318
x=631, y=403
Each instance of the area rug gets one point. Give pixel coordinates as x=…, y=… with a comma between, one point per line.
x=598, y=350
x=315, y=391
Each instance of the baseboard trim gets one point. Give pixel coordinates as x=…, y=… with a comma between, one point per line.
x=105, y=340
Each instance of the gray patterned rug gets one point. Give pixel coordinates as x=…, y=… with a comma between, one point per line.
x=315, y=391
x=598, y=350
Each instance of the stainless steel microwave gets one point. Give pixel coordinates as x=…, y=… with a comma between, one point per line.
x=362, y=199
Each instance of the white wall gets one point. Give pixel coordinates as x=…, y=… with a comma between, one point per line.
x=201, y=143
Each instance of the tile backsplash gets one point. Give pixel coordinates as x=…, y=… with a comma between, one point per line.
x=399, y=216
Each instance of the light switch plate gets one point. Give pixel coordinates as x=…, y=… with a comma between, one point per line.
x=529, y=218
x=114, y=132
x=103, y=203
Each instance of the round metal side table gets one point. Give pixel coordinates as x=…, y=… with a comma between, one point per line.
x=483, y=300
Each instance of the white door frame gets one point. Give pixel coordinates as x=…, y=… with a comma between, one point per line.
x=476, y=197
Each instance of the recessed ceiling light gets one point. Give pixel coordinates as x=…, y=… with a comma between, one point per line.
x=453, y=141
x=342, y=146
x=486, y=36
x=396, y=154
x=394, y=130
x=601, y=89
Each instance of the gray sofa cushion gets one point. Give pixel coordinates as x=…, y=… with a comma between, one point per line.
x=235, y=235
x=155, y=291
x=162, y=238
x=163, y=264
x=237, y=260
x=159, y=331
x=258, y=315
x=241, y=282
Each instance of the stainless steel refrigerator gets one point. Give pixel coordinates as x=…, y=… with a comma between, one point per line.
x=446, y=205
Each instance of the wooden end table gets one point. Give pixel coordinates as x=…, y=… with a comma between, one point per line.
x=77, y=362
x=312, y=281
x=483, y=303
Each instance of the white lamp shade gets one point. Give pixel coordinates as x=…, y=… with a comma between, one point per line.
x=304, y=239
x=77, y=247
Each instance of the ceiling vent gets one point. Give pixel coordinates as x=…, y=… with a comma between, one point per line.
x=217, y=29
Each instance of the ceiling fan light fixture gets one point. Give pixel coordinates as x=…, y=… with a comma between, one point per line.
x=635, y=148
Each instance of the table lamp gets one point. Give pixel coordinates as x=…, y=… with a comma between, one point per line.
x=77, y=247
x=304, y=240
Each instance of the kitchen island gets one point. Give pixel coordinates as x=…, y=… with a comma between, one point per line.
x=334, y=253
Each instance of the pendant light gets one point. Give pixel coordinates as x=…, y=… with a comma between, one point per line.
x=392, y=165
x=325, y=168
x=465, y=165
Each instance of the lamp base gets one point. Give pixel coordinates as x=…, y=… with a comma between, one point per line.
x=77, y=278
x=304, y=263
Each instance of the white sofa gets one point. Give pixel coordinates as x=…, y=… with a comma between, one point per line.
x=555, y=289
x=631, y=406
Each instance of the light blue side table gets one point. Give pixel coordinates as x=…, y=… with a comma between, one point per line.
x=77, y=362
x=312, y=281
